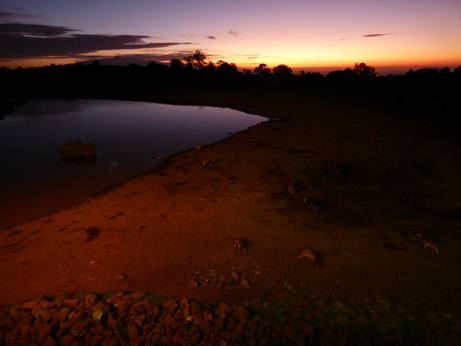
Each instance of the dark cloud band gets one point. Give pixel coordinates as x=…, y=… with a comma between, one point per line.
x=26, y=41
x=376, y=35
x=12, y=15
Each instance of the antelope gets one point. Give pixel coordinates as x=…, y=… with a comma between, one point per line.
x=428, y=244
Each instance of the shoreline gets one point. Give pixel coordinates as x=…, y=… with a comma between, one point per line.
x=72, y=198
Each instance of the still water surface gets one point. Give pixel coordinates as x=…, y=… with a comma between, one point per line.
x=128, y=136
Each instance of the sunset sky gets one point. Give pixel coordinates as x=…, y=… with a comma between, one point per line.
x=303, y=34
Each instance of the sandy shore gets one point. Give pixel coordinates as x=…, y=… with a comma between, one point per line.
x=378, y=178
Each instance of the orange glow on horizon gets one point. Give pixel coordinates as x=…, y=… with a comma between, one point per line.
x=312, y=63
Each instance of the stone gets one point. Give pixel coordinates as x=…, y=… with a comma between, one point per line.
x=139, y=320
x=62, y=314
x=245, y=284
x=167, y=338
x=100, y=311
x=29, y=305
x=255, y=304
x=290, y=333
x=241, y=313
x=133, y=297
x=234, y=276
x=207, y=316
x=194, y=335
x=109, y=342
x=195, y=308
x=183, y=302
x=193, y=284
x=67, y=339
x=50, y=342
x=219, y=323
x=77, y=149
x=133, y=329
x=71, y=303
x=89, y=299
x=341, y=320
x=96, y=330
x=44, y=333
x=224, y=308
x=44, y=314
x=179, y=338
x=79, y=329
x=97, y=339
x=171, y=306
x=120, y=277
x=168, y=320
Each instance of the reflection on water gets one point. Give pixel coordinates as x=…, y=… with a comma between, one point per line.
x=128, y=137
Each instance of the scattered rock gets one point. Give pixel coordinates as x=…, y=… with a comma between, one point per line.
x=193, y=284
x=92, y=233
x=77, y=149
x=234, y=276
x=130, y=318
x=171, y=306
x=120, y=277
x=245, y=284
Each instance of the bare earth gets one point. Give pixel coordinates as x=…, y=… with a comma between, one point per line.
x=378, y=178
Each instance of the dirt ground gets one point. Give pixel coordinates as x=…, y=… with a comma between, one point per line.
x=378, y=178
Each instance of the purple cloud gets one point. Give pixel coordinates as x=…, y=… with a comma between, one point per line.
x=12, y=15
x=16, y=29
x=40, y=41
x=211, y=37
x=340, y=39
x=377, y=35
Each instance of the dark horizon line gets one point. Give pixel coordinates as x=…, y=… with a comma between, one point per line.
x=296, y=70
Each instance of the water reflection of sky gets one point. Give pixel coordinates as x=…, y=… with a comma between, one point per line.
x=130, y=134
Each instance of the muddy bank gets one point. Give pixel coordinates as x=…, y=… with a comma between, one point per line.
x=378, y=178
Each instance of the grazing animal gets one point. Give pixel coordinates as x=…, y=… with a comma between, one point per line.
x=428, y=244
x=312, y=206
x=210, y=164
x=303, y=253
x=292, y=188
x=239, y=244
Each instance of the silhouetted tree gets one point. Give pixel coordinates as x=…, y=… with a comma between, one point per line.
x=445, y=70
x=176, y=64
x=364, y=70
x=208, y=70
x=156, y=69
x=199, y=58
x=311, y=78
x=262, y=70
x=189, y=61
x=225, y=68
x=282, y=71
x=340, y=76
x=152, y=65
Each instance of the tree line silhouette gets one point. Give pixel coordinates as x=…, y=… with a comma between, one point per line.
x=429, y=92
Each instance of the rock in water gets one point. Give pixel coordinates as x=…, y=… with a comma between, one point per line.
x=77, y=149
